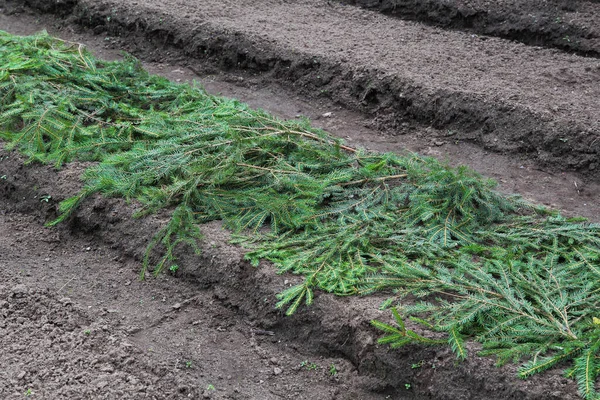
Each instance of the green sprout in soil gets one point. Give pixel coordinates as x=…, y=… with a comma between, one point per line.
x=333, y=370
x=521, y=279
x=310, y=366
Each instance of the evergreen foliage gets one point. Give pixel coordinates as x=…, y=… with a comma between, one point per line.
x=521, y=279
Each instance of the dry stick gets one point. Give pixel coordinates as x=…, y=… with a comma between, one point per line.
x=380, y=179
x=315, y=137
x=304, y=134
x=267, y=169
x=63, y=286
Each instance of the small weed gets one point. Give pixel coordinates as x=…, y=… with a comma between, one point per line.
x=333, y=370
x=87, y=332
x=309, y=365
x=188, y=364
x=407, y=386
x=45, y=198
x=28, y=392
x=418, y=365
x=210, y=387
x=174, y=268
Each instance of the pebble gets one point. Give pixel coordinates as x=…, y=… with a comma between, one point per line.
x=277, y=371
x=133, y=329
x=66, y=301
x=19, y=290
x=176, y=306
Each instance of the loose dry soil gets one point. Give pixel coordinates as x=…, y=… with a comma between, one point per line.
x=75, y=320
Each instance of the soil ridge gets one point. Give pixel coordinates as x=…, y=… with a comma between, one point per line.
x=567, y=25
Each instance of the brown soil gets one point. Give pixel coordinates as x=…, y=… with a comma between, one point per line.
x=58, y=284
x=571, y=25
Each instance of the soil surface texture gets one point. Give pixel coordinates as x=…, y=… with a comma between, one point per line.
x=76, y=322
x=571, y=25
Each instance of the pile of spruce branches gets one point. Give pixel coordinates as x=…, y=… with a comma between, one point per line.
x=521, y=279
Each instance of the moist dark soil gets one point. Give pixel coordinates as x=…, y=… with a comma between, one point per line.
x=570, y=25
x=76, y=322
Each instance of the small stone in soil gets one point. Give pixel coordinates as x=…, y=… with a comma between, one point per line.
x=19, y=290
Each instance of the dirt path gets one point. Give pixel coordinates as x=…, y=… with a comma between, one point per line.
x=143, y=334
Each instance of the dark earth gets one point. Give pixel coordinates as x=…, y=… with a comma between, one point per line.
x=76, y=322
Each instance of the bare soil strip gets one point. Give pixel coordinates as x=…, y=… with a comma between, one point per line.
x=568, y=25
x=504, y=96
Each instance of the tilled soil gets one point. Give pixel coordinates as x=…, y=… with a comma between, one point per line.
x=180, y=337
x=571, y=25
x=212, y=326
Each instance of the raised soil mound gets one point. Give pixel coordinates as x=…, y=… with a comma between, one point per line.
x=570, y=25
